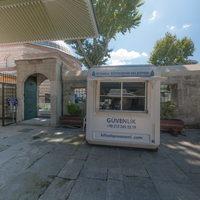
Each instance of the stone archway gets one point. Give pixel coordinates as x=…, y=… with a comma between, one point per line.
x=47, y=69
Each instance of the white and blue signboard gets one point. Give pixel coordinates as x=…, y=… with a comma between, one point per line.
x=122, y=72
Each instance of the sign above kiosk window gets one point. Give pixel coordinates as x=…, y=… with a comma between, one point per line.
x=129, y=96
x=122, y=72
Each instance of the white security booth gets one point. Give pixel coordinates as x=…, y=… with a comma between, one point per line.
x=123, y=106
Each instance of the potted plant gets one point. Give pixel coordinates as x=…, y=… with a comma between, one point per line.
x=167, y=122
x=73, y=109
x=74, y=117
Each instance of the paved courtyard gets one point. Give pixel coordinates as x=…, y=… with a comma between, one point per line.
x=56, y=164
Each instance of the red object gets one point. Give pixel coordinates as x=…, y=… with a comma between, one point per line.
x=174, y=126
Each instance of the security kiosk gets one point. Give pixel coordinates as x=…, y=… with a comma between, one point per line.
x=123, y=106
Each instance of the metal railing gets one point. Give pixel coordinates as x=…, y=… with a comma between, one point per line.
x=7, y=78
x=8, y=107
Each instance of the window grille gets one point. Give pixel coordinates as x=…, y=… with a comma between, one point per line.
x=129, y=96
x=80, y=95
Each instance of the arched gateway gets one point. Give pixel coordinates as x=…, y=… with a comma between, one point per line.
x=31, y=73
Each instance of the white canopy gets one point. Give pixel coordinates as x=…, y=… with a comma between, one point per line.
x=42, y=20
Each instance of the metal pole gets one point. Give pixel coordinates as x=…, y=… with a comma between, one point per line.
x=3, y=106
x=62, y=96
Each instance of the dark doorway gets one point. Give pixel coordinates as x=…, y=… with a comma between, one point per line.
x=44, y=99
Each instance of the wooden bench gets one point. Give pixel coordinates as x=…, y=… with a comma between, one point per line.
x=69, y=120
x=174, y=126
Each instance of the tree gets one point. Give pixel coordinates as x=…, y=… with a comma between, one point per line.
x=172, y=51
x=113, y=17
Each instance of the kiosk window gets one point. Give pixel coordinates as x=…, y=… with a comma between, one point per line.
x=110, y=96
x=130, y=96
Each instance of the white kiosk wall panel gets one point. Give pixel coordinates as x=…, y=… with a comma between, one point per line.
x=107, y=122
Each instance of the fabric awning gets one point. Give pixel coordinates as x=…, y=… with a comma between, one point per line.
x=44, y=20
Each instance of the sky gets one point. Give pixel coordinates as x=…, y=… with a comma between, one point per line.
x=180, y=17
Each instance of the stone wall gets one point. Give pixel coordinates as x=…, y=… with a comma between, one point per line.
x=186, y=90
x=186, y=96
x=70, y=82
x=10, y=53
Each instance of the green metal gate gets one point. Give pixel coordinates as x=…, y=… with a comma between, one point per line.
x=30, y=98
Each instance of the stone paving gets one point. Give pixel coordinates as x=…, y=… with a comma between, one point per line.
x=56, y=164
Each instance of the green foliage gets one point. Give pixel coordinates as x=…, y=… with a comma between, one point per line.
x=73, y=109
x=172, y=51
x=113, y=17
x=167, y=110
